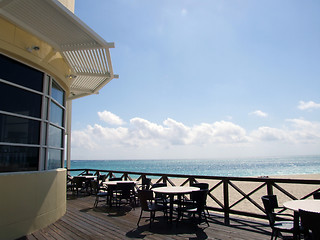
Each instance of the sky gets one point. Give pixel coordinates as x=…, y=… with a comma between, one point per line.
x=203, y=79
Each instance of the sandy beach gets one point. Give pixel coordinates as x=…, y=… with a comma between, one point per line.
x=298, y=190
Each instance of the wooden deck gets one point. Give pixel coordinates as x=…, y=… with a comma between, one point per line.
x=82, y=221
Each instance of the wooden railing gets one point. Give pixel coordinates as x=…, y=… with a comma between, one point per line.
x=230, y=195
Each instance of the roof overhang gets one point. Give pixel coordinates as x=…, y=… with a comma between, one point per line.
x=85, y=52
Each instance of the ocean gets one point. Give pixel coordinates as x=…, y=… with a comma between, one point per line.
x=235, y=167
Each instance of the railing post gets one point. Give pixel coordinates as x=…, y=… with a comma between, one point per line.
x=126, y=176
x=269, y=188
x=226, y=201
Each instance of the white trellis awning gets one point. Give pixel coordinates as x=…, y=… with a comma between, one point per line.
x=85, y=51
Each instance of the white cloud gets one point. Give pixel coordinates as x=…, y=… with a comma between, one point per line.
x=299, y=131
x=259, y=113
x=304, y=131
x=110, y=118
x=308, y=105
x=141, y=138
x=270, y=134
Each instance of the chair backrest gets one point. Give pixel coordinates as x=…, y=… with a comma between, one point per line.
x=95, y=186
x=115, y=179
x=268, y=207
x=78, y=181
x=316, y=195
x=203, y=186
x=156, y=185
x=145, y=196
x=146, y=183
x=273, y=201
x=199, y=198
x=127, y=189
x=102, y=177
x=311, y=221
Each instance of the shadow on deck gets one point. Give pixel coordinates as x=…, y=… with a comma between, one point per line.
x=82, y=221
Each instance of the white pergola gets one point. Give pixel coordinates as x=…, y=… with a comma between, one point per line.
x=86, y=53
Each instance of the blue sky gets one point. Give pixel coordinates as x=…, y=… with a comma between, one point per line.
x=203, y=79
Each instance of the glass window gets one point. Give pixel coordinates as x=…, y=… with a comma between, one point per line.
x=56, y=114
x=54, y=158
x=14, y=158
x=19, y=130
x=15, y=72
x=17, y=100
x=19, y=135
x=55, y=136
x=57, y=93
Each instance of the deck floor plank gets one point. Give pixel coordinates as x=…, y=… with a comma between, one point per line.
x=82, y=221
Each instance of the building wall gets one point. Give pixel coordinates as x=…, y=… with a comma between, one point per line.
x=31, y=201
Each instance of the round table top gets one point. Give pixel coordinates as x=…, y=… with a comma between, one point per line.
x=116, y=182
x=307, y=205
x=175, y=189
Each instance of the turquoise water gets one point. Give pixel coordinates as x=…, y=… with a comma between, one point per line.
x=211, y=167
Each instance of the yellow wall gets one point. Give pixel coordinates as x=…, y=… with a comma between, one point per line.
x=15, y=42
x=31, y=201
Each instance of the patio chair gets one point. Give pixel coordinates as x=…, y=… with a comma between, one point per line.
x=310, y=221
x=148, y=204
x=196, y=205
x=100, y=192
x=78, y=184
x=125, y=191
x=145, y=183
x=102, y=178
x=70, y=184
x=316, y=195
x=274, y=202
x=202, y=186
x=277, y=226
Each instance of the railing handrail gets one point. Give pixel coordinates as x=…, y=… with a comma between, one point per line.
x=245, y=179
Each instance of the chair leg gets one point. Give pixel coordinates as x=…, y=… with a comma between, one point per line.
x=205, y=218
x=96, y=202
x=151, y=219
x=139, y=218
x=272, y=233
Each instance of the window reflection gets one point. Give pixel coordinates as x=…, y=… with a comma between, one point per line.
x=57, y=93
x=14, y=158
x=54, y=158
x=21, y=74
x=20, y=101
x=56, y=114
x=55, y=136
x=19, y=130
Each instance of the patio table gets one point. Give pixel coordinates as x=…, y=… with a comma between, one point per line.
x=172, y=191
x=112, y=185
x=307, y=205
